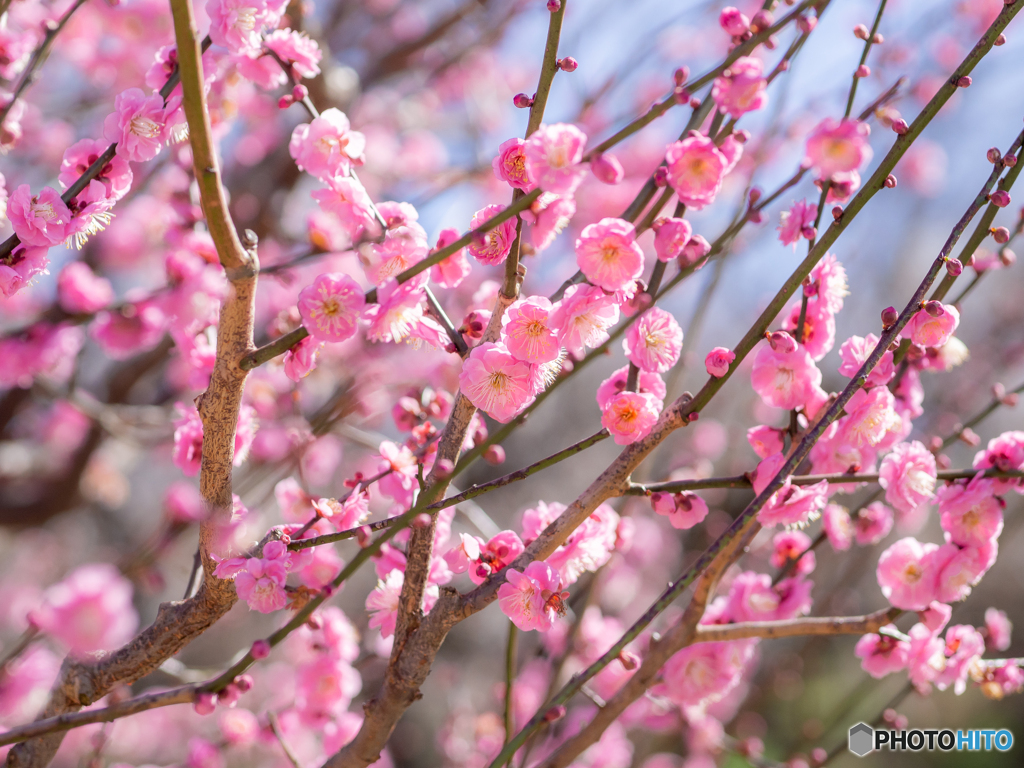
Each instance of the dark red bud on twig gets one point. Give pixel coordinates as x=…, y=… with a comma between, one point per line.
x=1000, y=198
x=964, y=82
x=837, y=212
x=890, y=182
x=522, y=101
x=954, y=267
x=900, y=126
x=889, y=317
x=994, y=155
x=681, y=75
x=1001, y=235
x=568, y=64
x=554, y=714
x=661, y=177
x=1001, y=40
x=554, y=5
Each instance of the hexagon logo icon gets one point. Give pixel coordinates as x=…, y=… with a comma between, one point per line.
x=861, y=739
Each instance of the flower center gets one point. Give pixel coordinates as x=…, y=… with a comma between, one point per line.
x=43, y=210
x=145, y=127
x=245, y=19
x=912, y=573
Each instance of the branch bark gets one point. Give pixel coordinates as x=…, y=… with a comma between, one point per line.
x=81, y=683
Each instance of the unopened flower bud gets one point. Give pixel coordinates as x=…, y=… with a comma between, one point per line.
x=554, y=714
x=964, y=82
x=900, y=126
x=695, y=103
x=494, y=454
x=693, y=417
x=754, y=195
x=443, y=468
x=771, y=44
x=1010, y=400
x=742, y=136
x=756, y=217
x=1007, y=257
x=782, y=342
x=681, y=95
x=1000, y=198
x=607, y=169
x=300, y=92
x=314, y=622
x=554, y=5
x=935, y=444
x=285, y=101
x=1000, y=235
x=934, y=308
x=521, y=100
x=661, y=176
x=970, y=437
x=1010, y=160
x=229, y=695
x=205, y=703
x=806, y=24
x=889, y=317
x=363, y=536
x=915, y=352
x=878, y=39
x=954, y=268
x=890, y=182
x=1001, y=40
x=860, y=32
x=694, y=251
x=762, y=20
x=862, y=71
x=837, y=212
x=630, y=660
x=260, y=649
x=568, y=64
x=998, y=390
x=422, y=520
x=681, y=75
x=994, y=155
x=243, y=683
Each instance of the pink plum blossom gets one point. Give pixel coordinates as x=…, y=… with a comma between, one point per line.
x=297, y=49
x=963, y=647
x=997, y=629
x=785, y=379
x=654, y=341
x=684, y=510
x=327, y=146
x=838, y=527
x=237, y=24
x=482, y=560
x=40, y=220
x=881, y=655
x=528, y=332
x=873, y=523
x=533, y=598
x=718, y=361
x=495, y=382
x=970, y=513
x=347, y=200
x=549, y=214
x=128, y=330
x=837, y=147
x=382, y=603
x=696, y=168
x=629, y=416
x=79, y=290
x=670, y=237
x=797, y=222
x=793, y=546
x=608, y=255
x=960, y=568
x=331, y=306
x=398, y=310
x=855, y=350
x=928, y=330
x=741, y=88
x=90, y=610
x=510, y=165
x=404, y=245
x=705, y=672
x=870, y=414
x=553, y=156
x=260, y=580
x=24, y=263
x=648, y=383
x=138, y=124
x=300, y=360
x=607, y=169
x=908, y=475
x=765, y=440
x=583, y=317
x=495, y=244
x=908, y=574
x=115, y=176
x=830, y=284
x=450, y=272
x=1004, y=453
x=752, y=597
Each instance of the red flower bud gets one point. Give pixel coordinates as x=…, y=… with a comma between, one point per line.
x=889, y=317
